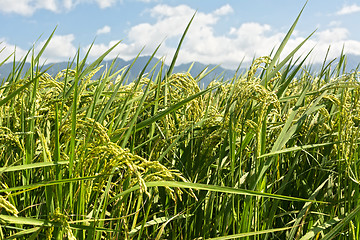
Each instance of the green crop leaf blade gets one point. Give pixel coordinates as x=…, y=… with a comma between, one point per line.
x=214, y=188
x=20, y=89
x=37, y=58
x=98, y=60
x=34, y=231
x=139, y=108
x=273, y=71
x=172, y=65
x=157, y=221
x=32, y=166
x=286, y=39
x=172, y=108
x=303, y=212
x=295, y=149
x=49, y=183
x=100, y=118
x=338, y=228
x=320, y=228
x=24, y=221
x=283, y=85
x=281, y=47
x=249, y=234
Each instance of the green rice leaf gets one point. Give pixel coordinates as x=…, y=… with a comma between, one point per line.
x=345, y=221
x=320, y=228
x=32, y=166
x=6, y=219
x=25, y=232
x=248, y=234
x=213, y=188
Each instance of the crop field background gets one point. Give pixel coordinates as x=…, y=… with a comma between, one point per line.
x=272, y=153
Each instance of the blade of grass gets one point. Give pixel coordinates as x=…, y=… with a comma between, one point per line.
x=319, y=228
x=24, y=232
x=249, y=234
x=25, y=221
x=32, y=166
x=213, y=188
x=48, y=183
x=100, y=118
x=172, y=65
x=139, y=108
x=304, y=212
x=172, y=108
x=281, y=48
x=295, y=149
x=337, y=229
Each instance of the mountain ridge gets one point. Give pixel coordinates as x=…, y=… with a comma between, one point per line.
x=136, y=69
x=197, y=67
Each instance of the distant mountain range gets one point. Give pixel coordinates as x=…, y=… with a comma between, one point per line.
x=138, y=66
x=352, y=62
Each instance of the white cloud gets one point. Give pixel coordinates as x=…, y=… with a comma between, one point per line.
x=103, y=30
x=122, y=50
x=148, y=1
x=60, y=48
x=29, y=7
x=203, y=44
x=162, y=10
x=226, y=9
x=105, y=3
x=8, y=49
x=170, y=24
x=50, y=5
x=348, y=9
x=335, y=38
x=70, y=4
x=23, y=7
x=334, y=24
x=332, y=35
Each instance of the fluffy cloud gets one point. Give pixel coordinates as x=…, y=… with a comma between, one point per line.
x=203, y=44
x=103, y=30
x=349, y=9
x=224, y=10
x=60, y=48
x=105, y=3
x=148, y=1
x=7, y=49
x=29, y=7
x=170, y=25
x=124, y=51
x=70, y=4
x=332, y=35
x=336, y=38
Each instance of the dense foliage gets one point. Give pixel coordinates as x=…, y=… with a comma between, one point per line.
x=269, y=154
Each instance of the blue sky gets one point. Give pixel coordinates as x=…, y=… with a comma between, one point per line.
x=223, y=31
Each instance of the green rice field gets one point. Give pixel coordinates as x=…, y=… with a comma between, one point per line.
x=271, y=153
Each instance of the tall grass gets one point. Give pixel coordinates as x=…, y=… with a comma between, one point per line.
x=269, y=154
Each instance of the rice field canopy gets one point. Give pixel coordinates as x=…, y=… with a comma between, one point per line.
x=272, y=153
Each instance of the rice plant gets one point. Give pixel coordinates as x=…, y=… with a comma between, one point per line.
x=269, y=154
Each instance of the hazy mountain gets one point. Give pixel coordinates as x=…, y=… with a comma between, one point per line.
x=195, y=70
x=352, y=62
x=135, y=70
